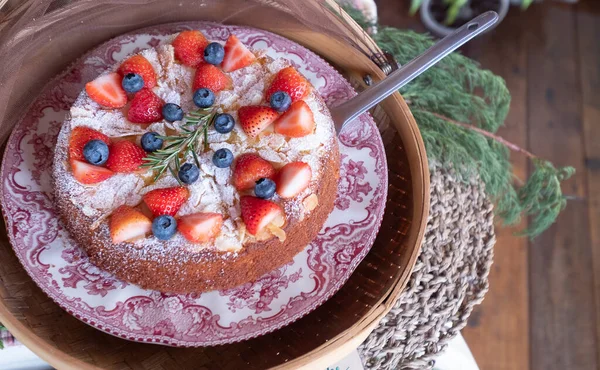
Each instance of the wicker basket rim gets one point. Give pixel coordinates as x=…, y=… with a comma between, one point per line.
x=405, y=124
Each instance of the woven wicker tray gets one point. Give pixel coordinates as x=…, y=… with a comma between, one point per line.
x=67, y=343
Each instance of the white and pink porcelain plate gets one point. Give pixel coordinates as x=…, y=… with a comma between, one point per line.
x=62, y=270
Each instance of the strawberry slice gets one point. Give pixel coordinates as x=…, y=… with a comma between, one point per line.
x=237, y=55
x=249, y=168
x=166, y=201
x=297, y=121
x=259, y=213
x=127, y=223
x=87, y=173
x=106, y=90
x=254, y=118
x=189, y=47
x=290, y=81
x=124, y=156
x=211, y=77
x=139, y=65
x=200, y=227
x=80, y=136
x=146, y=107
x=292, y=179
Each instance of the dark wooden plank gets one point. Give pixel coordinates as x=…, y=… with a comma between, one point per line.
x=498, y=330
x=588, y=31
x=561, y=280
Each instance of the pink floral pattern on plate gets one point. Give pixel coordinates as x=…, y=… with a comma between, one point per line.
x=63, y=271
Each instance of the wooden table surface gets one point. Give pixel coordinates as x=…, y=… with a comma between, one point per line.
x=543, y=307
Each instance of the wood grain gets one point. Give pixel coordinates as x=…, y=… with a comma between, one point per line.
x=561, y=280
x=588, y=31
x=543, y=307
x=498, y=330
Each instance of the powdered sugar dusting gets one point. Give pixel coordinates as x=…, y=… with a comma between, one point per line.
x=96, y=200
x=213, y=192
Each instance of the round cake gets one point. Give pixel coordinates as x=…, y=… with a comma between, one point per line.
x=194, y=166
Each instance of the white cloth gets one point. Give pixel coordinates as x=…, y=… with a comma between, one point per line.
x=21, y=358
x=456, y=356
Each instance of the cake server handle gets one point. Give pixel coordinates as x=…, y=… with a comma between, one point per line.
x=349, y=110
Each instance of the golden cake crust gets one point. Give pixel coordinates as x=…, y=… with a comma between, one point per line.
x=212, y=272
x=178, y=266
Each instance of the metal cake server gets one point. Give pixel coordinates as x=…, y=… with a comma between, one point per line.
x=349, y=110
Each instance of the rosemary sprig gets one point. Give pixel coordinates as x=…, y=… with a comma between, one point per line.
x=178, y=147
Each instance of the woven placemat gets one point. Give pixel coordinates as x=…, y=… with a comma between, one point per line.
x=449, y=278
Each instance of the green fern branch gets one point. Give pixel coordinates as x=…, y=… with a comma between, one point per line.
x=459, y=107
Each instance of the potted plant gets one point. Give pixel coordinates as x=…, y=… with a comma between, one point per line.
x=442, y=17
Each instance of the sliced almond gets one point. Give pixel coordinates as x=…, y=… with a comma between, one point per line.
x=98, y=221
x=148, y=177
x=311, y=202
x=242, y=231
x=279, y=221
x=277, y=231
x=264, y=234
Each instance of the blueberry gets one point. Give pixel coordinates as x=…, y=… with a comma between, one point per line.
x=204, y=97
x=222, y=158
x=189, y=173
x=96, y=152
x=132, y=82
x=151, y=141
x=224, y=123
x=214, y=53
x=264, y=188
x=164, y=227
x=172, y=112
x=280, y=101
